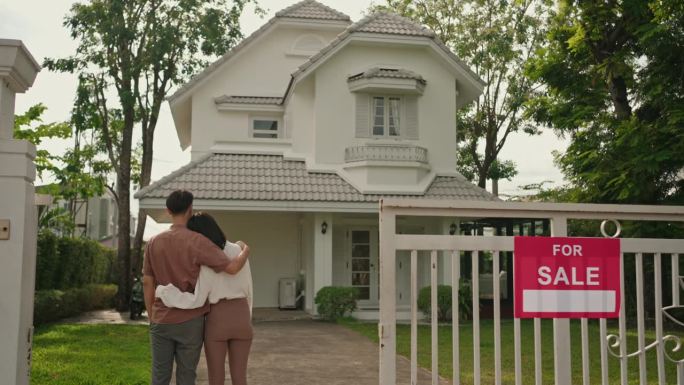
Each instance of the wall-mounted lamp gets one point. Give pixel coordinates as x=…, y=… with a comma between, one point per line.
x=452, y=229
x=324, y=227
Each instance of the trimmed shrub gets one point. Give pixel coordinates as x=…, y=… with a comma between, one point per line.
x=444, y=308
x=53, y=305
x=334, y=302
x=47, y=260
x=65, y=263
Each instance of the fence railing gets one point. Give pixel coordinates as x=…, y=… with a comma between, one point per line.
x=611, y=346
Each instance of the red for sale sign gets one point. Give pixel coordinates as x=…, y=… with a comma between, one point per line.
x=556, y=277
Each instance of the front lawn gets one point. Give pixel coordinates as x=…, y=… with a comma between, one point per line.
x=91, y=355
x=370, y=330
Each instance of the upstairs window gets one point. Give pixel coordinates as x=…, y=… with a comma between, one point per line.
x=265, y=128
x=386, y=116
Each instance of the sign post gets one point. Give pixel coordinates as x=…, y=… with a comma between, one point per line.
x=559, y=277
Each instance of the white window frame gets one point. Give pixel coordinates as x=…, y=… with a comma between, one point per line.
x=385, y=125
x=277, y=119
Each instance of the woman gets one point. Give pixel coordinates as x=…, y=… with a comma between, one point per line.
x=228, y=326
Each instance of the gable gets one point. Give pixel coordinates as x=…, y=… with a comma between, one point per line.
x=388, y=28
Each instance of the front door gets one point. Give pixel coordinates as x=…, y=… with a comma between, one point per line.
x=364, y=265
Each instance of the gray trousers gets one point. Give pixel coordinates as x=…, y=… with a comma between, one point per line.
x=180, y=342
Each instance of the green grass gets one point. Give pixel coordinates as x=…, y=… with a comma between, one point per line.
x=370, y=330
x=91, y=355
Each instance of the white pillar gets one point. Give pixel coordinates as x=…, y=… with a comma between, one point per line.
x=444, y=263
x=323, y=251
x=17, y=212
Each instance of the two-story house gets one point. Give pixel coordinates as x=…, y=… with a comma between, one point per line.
x=298, y=131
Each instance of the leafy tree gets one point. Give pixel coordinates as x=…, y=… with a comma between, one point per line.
x=496, y=38
x=76, y=173
x=615, y=85
x=29, y=126
x=138, y=50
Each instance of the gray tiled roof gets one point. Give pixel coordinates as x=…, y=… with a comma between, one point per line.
x=272, y=178
x=311, y=9
x=248, y=99
x=390, y=23
x=377, y=72
x=307, y=9
x=384, y=23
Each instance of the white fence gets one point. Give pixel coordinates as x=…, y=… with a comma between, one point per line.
x=612, y=347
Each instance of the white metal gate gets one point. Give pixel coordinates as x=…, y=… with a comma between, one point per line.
x=612, y=347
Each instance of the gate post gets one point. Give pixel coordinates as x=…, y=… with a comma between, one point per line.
x=561, y=327
x=18, y=219
x=388, y=303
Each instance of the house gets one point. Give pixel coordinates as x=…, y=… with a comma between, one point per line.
x=94, y=218
x=298, y=131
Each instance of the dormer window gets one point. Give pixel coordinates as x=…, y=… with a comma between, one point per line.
x=265, y=128
x=386, y=116
x=386, y=103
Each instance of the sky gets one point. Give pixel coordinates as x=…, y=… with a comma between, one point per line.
x=38, y=23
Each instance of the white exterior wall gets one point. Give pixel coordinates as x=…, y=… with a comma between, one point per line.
x=334, y=103
x=301, y=118
x=261, y=69
x=276, y=248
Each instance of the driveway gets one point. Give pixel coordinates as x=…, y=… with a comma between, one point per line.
x=306, y=352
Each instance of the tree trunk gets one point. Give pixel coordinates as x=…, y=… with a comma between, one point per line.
x=482, y=180
x=145, y=178
x=618, y=93
x=136, y=252
x=123, y=189
x=124, y=243
x=495, y=187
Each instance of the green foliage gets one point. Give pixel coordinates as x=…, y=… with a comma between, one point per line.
x=57, y=219
x=52, y=305
x=29, y=126
x=496, y=38
x=614, y=86
x=334, y=302
x=47, y=260
x=65, y=263
x=444, y=305
x=138, y=50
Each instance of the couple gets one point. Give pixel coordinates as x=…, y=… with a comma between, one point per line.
x=198, y=289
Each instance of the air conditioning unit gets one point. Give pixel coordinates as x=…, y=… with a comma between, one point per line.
x=287, y=298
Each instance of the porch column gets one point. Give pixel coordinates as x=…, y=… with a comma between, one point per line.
x=444, y=262
x=323, y=251
x=18, y=220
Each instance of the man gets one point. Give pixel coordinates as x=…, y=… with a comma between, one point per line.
x=174, y=257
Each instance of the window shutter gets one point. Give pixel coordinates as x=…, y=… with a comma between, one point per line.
x=362, y=115
x=410, y=127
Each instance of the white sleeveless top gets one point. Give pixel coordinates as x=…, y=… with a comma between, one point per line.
x=211, y=286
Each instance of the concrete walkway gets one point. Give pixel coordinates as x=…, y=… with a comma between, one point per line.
x=291, y=349
x=310, y=352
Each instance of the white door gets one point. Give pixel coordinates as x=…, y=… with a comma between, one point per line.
x=364, y=264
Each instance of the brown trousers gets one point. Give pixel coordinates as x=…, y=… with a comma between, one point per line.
x=228, y=329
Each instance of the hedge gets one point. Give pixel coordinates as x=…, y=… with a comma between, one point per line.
x=66, y=263
x=334, y=301
x=444, y=305
x=52, y=305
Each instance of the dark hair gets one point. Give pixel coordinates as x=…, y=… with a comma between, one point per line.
x=207, y=226
x=179, y=201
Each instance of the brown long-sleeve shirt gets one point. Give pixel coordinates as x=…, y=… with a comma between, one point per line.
x=174, y=257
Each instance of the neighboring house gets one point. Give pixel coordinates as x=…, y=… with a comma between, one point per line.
x=95, y=218
x=297, y=133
